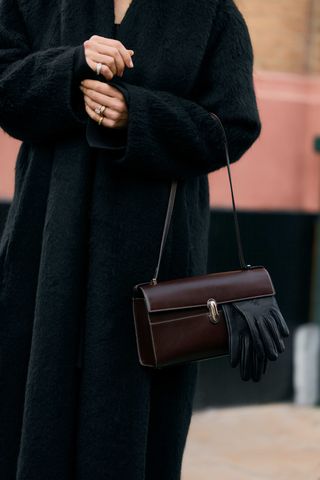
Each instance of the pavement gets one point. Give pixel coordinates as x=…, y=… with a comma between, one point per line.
x=268, y=442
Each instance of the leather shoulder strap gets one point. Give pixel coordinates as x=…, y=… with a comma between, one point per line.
x=242, y=262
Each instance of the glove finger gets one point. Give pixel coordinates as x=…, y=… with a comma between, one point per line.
x=251, y=322
x=257, y=367
x=246, y=358
x=234, y=340
x=265, y=363
x=270, y=348
x=279, y=343
x=283, y=327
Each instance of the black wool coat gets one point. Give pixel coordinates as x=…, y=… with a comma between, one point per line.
x=86, y=219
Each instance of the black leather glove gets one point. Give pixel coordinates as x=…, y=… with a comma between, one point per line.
x=266, y=324
x=245, y=351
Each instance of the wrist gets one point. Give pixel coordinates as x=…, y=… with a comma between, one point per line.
x=81, y=68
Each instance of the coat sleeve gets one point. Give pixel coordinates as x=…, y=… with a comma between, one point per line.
x=175, y=137
x=39, y=93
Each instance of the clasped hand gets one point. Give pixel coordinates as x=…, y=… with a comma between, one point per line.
x=98, y=95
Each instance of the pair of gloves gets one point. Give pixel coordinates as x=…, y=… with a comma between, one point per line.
x=256, y=330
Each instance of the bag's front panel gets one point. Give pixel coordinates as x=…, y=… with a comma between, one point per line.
x=188, y=337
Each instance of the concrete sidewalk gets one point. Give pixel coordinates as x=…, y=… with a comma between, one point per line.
x=270, y=442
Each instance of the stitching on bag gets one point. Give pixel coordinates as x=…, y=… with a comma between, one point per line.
x=135, y=327
x=204, y=304
x=153, y=345
x=180, y=318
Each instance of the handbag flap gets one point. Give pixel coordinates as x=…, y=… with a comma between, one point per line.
x=194, y=291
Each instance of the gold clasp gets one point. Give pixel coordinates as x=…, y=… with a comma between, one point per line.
x=213, y=310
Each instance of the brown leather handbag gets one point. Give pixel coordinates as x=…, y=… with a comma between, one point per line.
x=184, y=320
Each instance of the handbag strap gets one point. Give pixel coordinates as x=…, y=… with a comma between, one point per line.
x=243, y=264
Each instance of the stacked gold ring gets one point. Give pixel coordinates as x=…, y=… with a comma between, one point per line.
x=100, y=110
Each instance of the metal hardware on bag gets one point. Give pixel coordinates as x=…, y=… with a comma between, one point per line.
x=213, y=309
x=153, y=281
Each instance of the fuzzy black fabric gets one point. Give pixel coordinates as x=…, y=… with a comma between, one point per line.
x=85, y=225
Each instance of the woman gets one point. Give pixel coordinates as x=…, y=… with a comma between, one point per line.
x=85, y=223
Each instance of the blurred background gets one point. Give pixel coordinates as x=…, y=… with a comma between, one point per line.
x=269, y=430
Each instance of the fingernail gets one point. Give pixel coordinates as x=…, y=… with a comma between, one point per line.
x=131, y=63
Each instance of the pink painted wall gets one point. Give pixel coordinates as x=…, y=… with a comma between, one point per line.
x=279, y=172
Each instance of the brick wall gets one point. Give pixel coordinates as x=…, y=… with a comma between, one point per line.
x=285, y=34
x=314, y=51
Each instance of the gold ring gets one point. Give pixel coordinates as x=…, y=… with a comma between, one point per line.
x=100, y=120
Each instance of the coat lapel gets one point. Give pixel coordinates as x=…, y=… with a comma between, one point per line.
x=169, y=40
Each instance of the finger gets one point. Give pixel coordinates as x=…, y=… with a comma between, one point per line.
x=275, y=334
x=265, y=363
x=283, y=327
x=234, y=346
x=268, y=343
x=257, y=369
x=124, y=52
x=105, y=60
x=104, y=88
x=113, y=52
x=105, y=53
x=235, y=351
x=105, y=70
x=102, y=99
x=106, y=122
x=251, y=322
x=246, y=358
x=108, y=112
